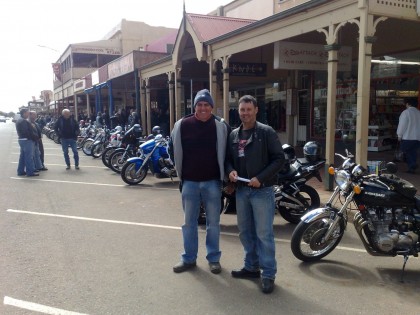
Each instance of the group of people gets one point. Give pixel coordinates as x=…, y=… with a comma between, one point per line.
x=29, y=131
x=31, y=159
x=206, y=152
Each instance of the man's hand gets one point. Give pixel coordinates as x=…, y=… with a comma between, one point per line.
x=233, y=175
x=254, y=183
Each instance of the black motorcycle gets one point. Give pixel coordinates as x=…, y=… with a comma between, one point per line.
x=387, y=217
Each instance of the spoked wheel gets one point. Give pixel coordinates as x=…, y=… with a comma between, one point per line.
x=106, y=155
x=132, y=177
x=87, y=147
x=308, y=243
x=292, y=211
x=117, y=160
x=98, y=149
x=80, y=142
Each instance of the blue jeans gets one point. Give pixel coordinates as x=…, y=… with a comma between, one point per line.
x=193, y=193
x=255, y=211
x=410, y=147
x=26, y=158
x=65, y=144
x=37, y=157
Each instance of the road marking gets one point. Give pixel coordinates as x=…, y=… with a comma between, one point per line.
x=94, y=184
x=37, y=307
x=95, y=220
x=51, y=154
x=279, y=240
x=82, y=166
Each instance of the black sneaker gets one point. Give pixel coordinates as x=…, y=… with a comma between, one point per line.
x=77, y=167
x=215, y=267
x=68, y=167
x=182, y=266
x=267, y=285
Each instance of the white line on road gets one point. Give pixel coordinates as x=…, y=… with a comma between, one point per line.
x=51, y=154
x=49, y=164
x=85, y=183
x=37, y=307
x=95, y=220
x=152, y=225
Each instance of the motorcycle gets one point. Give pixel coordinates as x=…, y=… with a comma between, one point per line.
x=153, y=156
x=387, y=218
x=115, y=157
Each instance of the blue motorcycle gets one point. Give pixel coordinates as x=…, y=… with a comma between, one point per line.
x=153, y=156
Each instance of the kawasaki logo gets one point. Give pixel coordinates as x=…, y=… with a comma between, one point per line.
x=375, y=194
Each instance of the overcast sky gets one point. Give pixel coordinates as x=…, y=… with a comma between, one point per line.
x=27, y=24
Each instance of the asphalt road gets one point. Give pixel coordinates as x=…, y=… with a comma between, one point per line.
x=83, y=242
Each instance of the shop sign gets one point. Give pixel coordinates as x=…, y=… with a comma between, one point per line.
x=96, y=50
x=79, y=85
x=248, y=69
x=121, y=66
x=302, y=56
x=95, y=77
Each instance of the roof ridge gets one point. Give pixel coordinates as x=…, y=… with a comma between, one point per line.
x=220, y=17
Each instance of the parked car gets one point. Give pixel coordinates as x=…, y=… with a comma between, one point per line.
x=2, y=119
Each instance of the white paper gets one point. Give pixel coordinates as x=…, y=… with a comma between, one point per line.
x=243, y=179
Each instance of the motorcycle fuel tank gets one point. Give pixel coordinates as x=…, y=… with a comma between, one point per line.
x=377, y=195
x=148, y=146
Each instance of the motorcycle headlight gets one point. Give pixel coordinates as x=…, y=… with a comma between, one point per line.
x=342, y=178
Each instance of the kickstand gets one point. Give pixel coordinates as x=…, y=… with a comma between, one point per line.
x=403, y=268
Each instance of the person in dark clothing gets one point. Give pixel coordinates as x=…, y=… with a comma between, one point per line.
x=254, y=156
x=199, y=146
x=26, y=139
x=133, y=119
x=68, y=129
x=39, y=147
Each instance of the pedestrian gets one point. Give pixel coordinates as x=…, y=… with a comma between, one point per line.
x=38, y=147
x=26, y=140
x=199, y=146
x=68, y=129
x=254, y=156
x=408, y=133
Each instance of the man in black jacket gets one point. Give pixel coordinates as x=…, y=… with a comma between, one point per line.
x=68, y=129
x=254, y=156
x=26, y=141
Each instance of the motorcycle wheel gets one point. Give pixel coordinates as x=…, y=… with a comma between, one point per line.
x=117, y=160
x=308, y=196
x=202, y=215
x=307, y=244
x=56, y=138
x=128, y=174
x=105, y=156
x=87, y=147
x=97, y=150
x=80, y=142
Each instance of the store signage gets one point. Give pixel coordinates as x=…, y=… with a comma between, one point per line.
x=79, y=85
x=57, y=70
x=121, y=66
x=95, y=77
x=248, y=69
x=96, y=50
x=302, y=56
